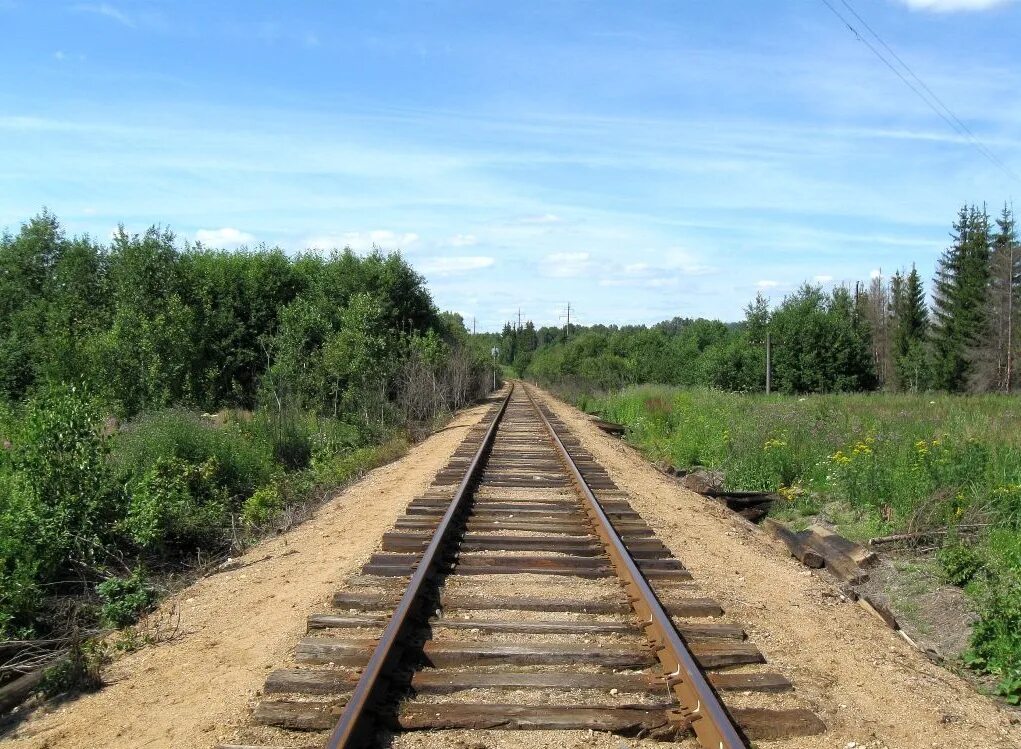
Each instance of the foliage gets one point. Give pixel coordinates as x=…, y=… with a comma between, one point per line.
x=262, y=506
x=958, y=564
x=125, y=598
x=873, y=464
x=247, y=381
x=56, y=499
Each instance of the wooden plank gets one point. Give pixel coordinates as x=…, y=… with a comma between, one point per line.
x=448, y=653
x=760, y=724
x=353, y=652
x=732, y=682
x=299, y=716
x=678, y=607
x=441, y=681
x=436, y=681
x=304, y=681
x=860, y=555
x=625, y=720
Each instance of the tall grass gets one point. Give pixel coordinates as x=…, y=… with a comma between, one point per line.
x=873, y=464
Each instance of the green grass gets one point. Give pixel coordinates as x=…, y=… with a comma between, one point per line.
x=872, y=464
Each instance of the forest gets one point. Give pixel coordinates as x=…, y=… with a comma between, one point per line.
x=163, y=403
x=877, y=335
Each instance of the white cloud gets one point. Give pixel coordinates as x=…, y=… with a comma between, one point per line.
x=875, y=273
x=767, y=284
x=225, y=237
x=565, y=264
x=823, y=278
x=105, y=9
x=363, y=241
x=448, y=266
x=950, y=6
x=463, y=240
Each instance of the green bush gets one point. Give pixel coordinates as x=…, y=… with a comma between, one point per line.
x=178, y=506
x=262, y=506
x=125, y=598
x=996, y=638
x=243, y=463
x=57, y=500
x=958, y=564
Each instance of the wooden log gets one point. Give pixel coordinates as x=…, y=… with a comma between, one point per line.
x=625, y=720
x=17, y=691
x=859, y=554
x=835, y=554
x=796, y=545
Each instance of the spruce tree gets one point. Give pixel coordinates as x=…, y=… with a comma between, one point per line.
x=910, y=325
x=960, y=308
x=1005, y=278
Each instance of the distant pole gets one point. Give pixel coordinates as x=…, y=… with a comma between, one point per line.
x=769, y=364
x=473, y=325
x=519, y=318
x=494, y=351
x=568, y=319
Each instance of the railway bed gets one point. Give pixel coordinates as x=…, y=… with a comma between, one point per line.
x=522, y=591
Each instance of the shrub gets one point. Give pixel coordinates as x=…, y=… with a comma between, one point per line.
x=57, y=503
x=262, y=506
x=243, y=462
x=125, y=598
x=177, y=505
x=996, y=638
x=958, y=564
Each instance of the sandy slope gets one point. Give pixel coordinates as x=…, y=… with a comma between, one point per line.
x=238, y=625
x=868, y=685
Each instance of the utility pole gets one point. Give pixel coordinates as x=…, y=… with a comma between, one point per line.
x=568, y=319
x=769, y=364
x=519, y=318
x=473, y=325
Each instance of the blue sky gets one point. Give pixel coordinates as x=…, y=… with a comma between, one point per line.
x=641, y=160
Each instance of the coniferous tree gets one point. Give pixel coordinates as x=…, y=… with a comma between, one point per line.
x=960, y=309
x=999, y=345
x=910, y=326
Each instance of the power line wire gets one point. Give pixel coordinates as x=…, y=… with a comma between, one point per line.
x=934, y=103
x=962, y=128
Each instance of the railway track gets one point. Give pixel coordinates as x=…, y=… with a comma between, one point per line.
x=522, y=591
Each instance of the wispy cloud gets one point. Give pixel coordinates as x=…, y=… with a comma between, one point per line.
x=449, y=266
x=107, y=10
x=565, y=264
x=363, y=241
x=225, y=237
x=949, y=6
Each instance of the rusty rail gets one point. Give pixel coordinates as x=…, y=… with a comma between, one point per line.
x=700, y=706
x=351, y=725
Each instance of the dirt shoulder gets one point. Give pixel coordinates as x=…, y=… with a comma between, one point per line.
x=236, y=626
x=868, y=685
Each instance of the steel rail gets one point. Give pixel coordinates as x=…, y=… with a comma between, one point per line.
x=700, y=706
x=351, y=725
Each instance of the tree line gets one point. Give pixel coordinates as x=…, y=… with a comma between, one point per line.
x=883, y=334
x=145, y=324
